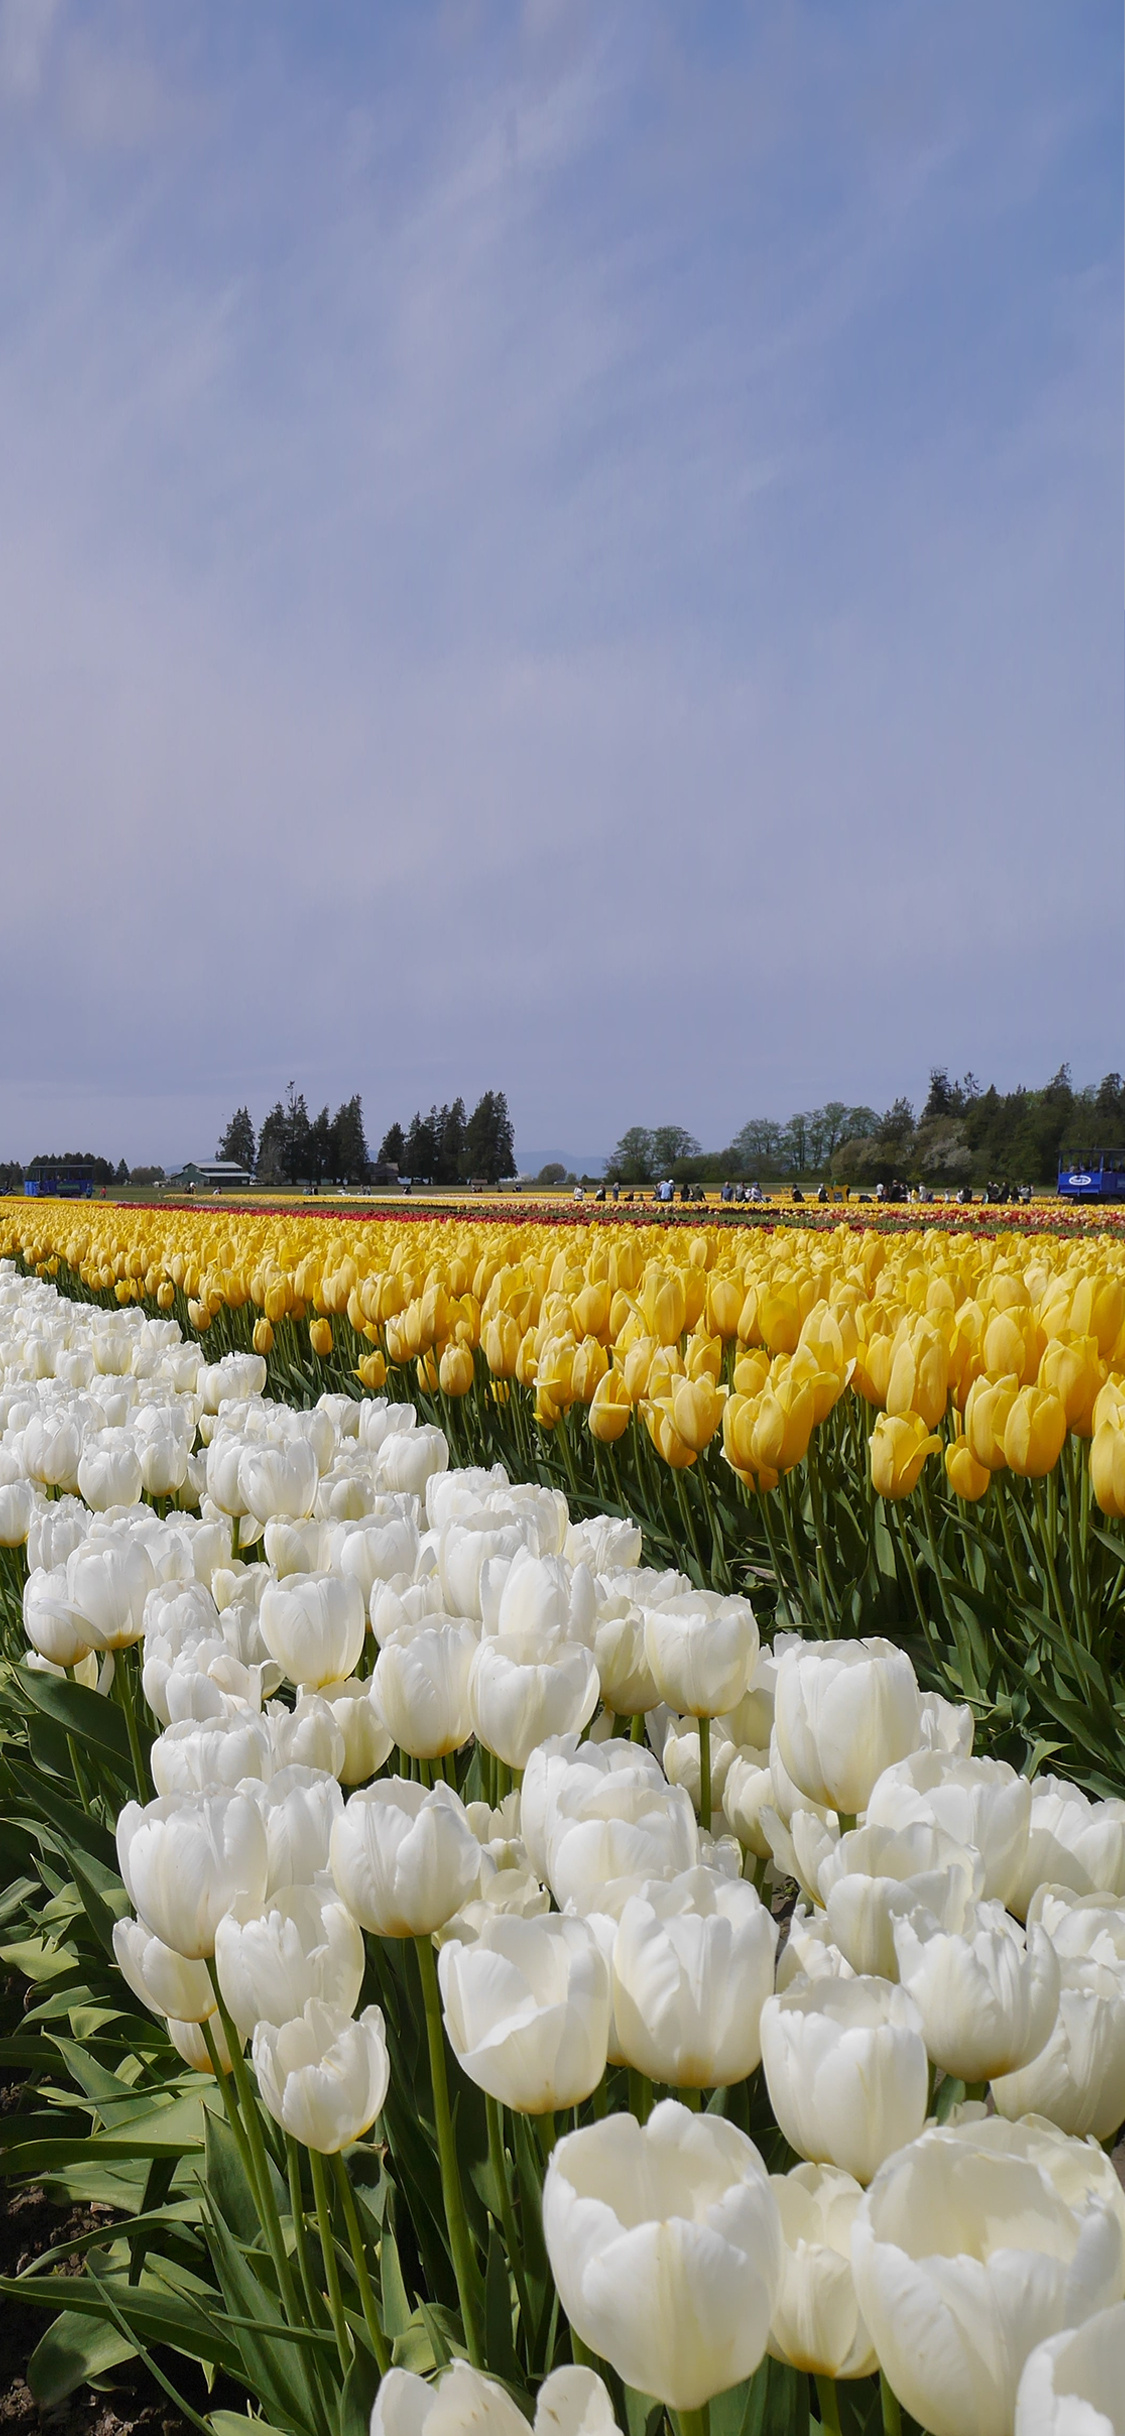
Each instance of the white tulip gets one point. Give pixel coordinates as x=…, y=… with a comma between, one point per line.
x=981, y=1803
x=692, y=1967
x=420, y=1687
x=52, y=1624
x=1081, y=1927
x=987, y=1993
x=1073, y=1841
x=107, y=1585
x=875, y=1875
x=323, y=2076
x=367, y=1742
x=307, y=1735
x=1072, y=2384
x=846, y=2069
x=406, y=1460
x=702, y=1650
x=313, y=1624
x=378, y=1551
x=404, y=1859
x=295, y=1547
x=541, y=1596
x=809, y=1952
x=817, y=2326
x=966, y=2252
x=186, y=1859
x=843, y=1712
x=521, y=1692
x=465, y=1546
x=298, y=1808
x=462, y=2402
x=607, y=1543
x=665, y=2246
x=160, y=1977
x=747, y=1791
x=564, y=1776
x=269, y=1963
x=1077, y=2079
x=204, y=1756
x=527, y=2010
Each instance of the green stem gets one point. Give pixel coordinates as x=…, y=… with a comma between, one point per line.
x=267, y=2204
x=694, y=2423
x=459, y=2239
x=322, y=2196
x=125, y=1693
x=704, y=1724
x=640, y=2095
x=828, y=2402
x=892, y=2416
x=371, y=2318
x=499, y=2163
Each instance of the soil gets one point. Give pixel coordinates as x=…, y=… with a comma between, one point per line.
x=29, y=2224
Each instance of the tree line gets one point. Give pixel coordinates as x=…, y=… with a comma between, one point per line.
x=964, y=1134
x=450, y=1147
x=446, y=1147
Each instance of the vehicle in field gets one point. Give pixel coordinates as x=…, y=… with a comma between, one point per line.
x=1092, y=1175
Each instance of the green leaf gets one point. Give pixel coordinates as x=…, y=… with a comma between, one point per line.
x=43, y=1800
x=156, y=2316
x=84, y=1714
x=72, y=2351
x=396, y=2308
x=274, y=2369
x=235, y=2423
x=498, y=2303
x=225, y=2181
x=360, y=2388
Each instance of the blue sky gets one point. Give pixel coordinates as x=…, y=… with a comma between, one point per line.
x=566, y=547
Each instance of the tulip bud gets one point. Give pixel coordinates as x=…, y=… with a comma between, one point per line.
x=527, y=2010
x=968, y=2242
x=702, y=1649
x=967, y=1478
x=899, y=1445
x=404, y=1859
x=665, y=2247
x=456, y=1374
x=1071, y=2384
x=987, y=1994
x=1107, y=1467
x=817, y=2326
x=843, y=1712
x=1034, y=1433
x=692, y=1968
x=846, y=2069
x=323, y=2076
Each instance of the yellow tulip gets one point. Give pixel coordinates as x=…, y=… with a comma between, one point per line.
x=919, y=1375
x=1107, y=1468
x=320, y=1337
x=591, y=1362
x=500, y=1344
x=703, y=1357
x=724, y=1303
x=871, y=1373
x=987, y=1406
x=751, y=1372
x=372, y=1370
x=1073, y=1370
x=665, y=1437
x=455, y=1370
x=967, y=1478
x=426, y=1369
x=611, y=1409
x=696, y=1407
x=1012, y=1347
x=663, y=1301
x=263, y=1336
x=590, y=1310
x=1034, y=1433
x=900, y=1443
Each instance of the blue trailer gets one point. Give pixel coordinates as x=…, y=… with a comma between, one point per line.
x=1092, y=1175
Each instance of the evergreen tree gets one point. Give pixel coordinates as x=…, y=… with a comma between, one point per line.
x=419, y=1149
x=392, y=1148
x=348, y=1160
x=238, y=1140
x=489, y=1140
x=318, y=1148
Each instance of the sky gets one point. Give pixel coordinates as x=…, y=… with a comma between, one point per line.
x=563, y=547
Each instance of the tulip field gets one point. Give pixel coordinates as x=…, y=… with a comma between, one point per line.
x=563, y=1820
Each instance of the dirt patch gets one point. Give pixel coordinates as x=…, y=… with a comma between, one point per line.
x=136, y=2406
